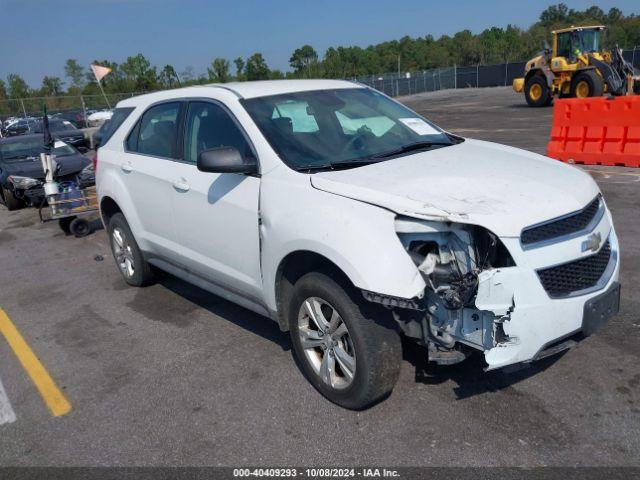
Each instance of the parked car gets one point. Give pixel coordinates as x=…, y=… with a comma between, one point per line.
x=349, y=219
x=21, y=173
x=65, y=131
x=98, y=118
x=20, y=127
x=8, y=121
x=76, y=117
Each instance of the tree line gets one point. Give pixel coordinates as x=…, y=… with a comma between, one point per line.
x=493, y=45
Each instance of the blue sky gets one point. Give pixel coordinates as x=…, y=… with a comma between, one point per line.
x=39, y=35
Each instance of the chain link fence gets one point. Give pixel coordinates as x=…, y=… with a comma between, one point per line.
x=396, y=85
x=502, y=74
x=73, y=108
x=392, y=84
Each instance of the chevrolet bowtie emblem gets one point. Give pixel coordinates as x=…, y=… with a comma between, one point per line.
x=592, y=242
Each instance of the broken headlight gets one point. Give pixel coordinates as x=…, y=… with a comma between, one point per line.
x=23, y=183
x=450, y=257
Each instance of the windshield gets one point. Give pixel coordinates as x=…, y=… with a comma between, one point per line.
x=589, y=41
x=61, y=126
x=23, y=149
x=341, y=126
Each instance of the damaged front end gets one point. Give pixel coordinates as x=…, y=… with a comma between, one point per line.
x=464, y=305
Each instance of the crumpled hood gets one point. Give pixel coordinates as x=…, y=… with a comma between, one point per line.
x=501, y=188
x=33, y=168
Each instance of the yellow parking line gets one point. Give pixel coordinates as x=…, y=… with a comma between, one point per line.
x=51, y=394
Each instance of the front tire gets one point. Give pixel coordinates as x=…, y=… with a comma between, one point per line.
x=348, y=350
x=587, y=84
x=135, y=270
x=537, y=92
x=10, y=201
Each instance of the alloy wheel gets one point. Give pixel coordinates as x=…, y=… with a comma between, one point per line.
x=122, y=252
x=326, y=342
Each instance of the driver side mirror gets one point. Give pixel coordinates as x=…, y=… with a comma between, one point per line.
x=226, y=160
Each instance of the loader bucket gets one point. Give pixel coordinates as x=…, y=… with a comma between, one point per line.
x=518, y=84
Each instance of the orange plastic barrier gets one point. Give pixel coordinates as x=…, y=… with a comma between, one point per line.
x=596, y=131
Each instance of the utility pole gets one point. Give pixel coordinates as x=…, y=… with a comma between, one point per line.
x=506, y=71
x=84, y=113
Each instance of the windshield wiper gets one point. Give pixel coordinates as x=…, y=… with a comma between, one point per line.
x=337, y=165
x=411, y=147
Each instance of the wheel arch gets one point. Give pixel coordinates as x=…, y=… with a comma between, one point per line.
x=108, y=208
x=536, y=72
x=291, y=268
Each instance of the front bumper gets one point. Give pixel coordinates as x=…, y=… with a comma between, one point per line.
x=597, y=312
x=532, y=321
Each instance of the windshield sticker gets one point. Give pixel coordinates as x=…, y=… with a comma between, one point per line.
x=419, y=126
x=59, y=144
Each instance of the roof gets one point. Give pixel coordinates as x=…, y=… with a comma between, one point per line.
x=263, y=88
x=572, y=28
x=260, y=88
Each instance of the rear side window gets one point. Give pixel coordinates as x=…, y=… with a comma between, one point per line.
x=156, y=132
x=111, y=125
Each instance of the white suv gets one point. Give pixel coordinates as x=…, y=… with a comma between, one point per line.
x=349, y=219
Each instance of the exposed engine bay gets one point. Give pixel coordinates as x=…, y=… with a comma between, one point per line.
x=451, y=259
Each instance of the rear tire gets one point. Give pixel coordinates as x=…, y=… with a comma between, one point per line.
x=10, y=201
x=537, y=92
x=587, y=84
x=79, y=227
x=135, y=270
x=370, y=369
x=65, y=224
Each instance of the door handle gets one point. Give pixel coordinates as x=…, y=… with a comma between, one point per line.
x=126, y=167
x=181, y=185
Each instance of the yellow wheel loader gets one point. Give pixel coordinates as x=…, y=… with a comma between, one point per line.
x=576, y=66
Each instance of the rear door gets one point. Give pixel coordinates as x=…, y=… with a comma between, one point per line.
x=147, y=170
x=216, y=214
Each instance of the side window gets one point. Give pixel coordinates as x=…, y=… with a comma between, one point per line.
x=209, y=126
x=110, y=126
x=299, y=116
x=156, y=132
x=564, y=45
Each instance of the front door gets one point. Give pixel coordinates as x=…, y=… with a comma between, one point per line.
x=216, y=214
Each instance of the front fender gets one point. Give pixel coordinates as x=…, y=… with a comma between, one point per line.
x=359, y=238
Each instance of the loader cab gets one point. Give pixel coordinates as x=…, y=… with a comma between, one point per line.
x=570, y=43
